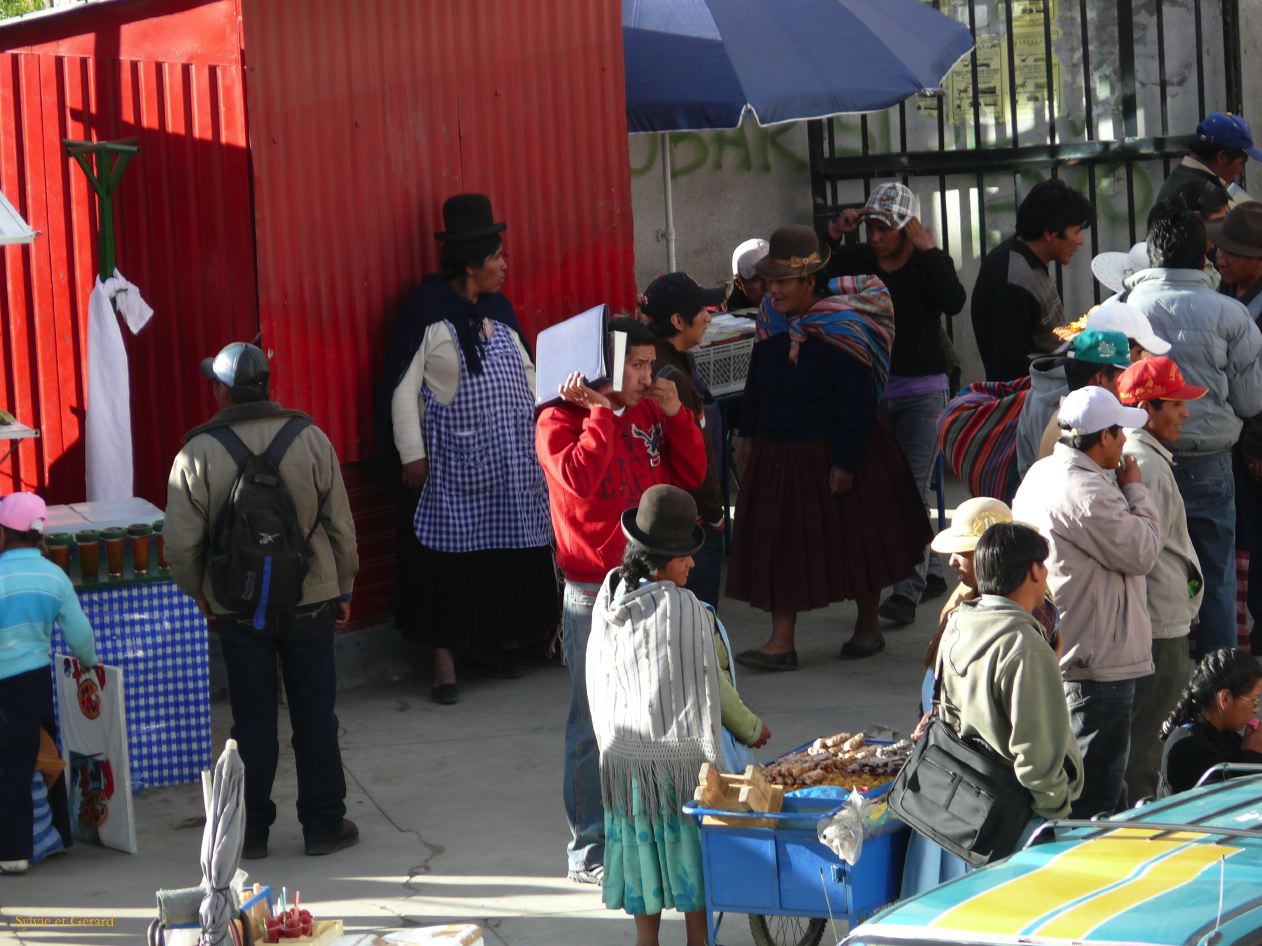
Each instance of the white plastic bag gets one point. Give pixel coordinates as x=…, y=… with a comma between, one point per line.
x=842, y=833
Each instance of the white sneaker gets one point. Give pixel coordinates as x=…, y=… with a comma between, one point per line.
x=14, y=867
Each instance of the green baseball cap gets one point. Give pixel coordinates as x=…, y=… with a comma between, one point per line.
x=1101, y=348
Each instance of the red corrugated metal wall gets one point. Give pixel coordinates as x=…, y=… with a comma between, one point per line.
x=363, y=117
x=167, y=72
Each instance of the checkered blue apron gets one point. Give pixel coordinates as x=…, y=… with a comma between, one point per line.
x=485, y=488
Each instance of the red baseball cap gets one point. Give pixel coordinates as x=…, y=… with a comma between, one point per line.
x=1155, y=379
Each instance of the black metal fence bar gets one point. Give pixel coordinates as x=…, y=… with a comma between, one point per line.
x=1026, y=157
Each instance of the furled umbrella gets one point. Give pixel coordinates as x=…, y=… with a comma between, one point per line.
x=224, y=795
x=702, y=64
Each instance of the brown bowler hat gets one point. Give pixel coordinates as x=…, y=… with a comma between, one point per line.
x=794, y=251
x=1239, y=232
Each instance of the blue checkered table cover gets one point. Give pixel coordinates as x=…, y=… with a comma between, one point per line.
x=155, y=633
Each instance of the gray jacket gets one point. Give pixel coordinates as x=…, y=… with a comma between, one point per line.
x=1047, y=387
x=1104, y=540
x=1170, y=606
x=1214, y=343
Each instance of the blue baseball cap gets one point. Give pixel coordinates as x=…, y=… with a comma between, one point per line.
x=1228, y=131
x=239, y=365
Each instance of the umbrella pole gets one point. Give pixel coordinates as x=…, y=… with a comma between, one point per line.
x=664, y=139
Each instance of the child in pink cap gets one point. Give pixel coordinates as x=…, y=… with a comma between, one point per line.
x=35, y=594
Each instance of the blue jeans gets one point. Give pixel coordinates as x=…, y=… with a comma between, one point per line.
x=303, y=643
x=583, y=808
x=1100, y=716
x=707, y=569
x=1209, y=493
x=914, y=421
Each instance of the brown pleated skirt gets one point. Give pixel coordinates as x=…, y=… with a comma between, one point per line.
x=797, y=547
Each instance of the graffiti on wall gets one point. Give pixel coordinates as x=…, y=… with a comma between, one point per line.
x=749, y=149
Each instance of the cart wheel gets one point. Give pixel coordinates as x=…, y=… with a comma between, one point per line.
x=786, y=930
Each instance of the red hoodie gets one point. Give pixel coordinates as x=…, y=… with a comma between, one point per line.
x=598, y=464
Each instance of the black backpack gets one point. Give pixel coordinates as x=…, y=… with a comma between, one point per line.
x=259, y=552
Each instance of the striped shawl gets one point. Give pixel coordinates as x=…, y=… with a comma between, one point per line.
x=653, y=688
x=858, y=318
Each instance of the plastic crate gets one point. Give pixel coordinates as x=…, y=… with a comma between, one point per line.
x=723, y=366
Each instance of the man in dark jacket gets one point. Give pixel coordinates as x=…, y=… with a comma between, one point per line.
x=677, y=307
x=1015, y=305
x=202, y=479
x=923, y=285
x=1222, y=145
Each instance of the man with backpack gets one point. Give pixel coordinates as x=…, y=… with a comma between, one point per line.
x=259, y=531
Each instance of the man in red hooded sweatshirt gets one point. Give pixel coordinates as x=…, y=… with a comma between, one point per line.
x=600, y=450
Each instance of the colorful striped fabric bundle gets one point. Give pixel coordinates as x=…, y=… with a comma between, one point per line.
x=977, y=435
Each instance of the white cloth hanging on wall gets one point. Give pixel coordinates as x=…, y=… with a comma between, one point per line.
x=108, y=427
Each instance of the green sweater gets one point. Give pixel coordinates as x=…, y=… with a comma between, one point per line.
x=1001, y=682
x=738, y=718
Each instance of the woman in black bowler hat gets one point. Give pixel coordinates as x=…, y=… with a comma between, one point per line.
x=476, y=577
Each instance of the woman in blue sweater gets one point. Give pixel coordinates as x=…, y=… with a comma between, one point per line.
x=36, y=593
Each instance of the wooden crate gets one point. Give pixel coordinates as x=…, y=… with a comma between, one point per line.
x=746, y=792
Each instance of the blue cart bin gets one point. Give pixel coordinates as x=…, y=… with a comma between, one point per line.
x=785, y=871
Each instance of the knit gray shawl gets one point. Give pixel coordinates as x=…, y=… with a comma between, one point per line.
x=653, y=688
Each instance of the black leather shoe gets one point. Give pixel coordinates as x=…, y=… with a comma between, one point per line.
x=935, y=587
x=761, y=660
x=852, y=651
x=899, y=609
x=254, y=846
x=345, y=836
x=445, y=694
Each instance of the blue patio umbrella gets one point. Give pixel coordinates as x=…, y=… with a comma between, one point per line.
x=701, y=64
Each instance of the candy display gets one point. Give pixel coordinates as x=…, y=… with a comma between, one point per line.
x=844, y=759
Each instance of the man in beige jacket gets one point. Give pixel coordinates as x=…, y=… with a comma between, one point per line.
x=301, y=638
x=1175, y=585
x=1105, y=537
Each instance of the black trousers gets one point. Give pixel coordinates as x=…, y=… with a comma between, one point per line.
x=303, y=643
x=26, y=706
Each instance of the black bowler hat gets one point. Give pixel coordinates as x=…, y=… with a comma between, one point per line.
x=665, y=522
x=468, y=217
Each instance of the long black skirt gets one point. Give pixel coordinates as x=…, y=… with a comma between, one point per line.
x=797, y=547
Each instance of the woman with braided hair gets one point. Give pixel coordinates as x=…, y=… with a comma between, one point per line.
x=1214, y=720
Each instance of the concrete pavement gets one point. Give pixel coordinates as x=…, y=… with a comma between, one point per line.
x=459, y=808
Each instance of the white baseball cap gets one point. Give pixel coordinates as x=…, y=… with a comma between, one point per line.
x=746, y=255
x=1118, y=316
x=1092, y=409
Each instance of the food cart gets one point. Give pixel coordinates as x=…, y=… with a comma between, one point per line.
x=768, y=861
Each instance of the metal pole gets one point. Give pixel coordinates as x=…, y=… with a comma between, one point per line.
x=664, y=141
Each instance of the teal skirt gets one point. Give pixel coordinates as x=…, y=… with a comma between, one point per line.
x=652, y=866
